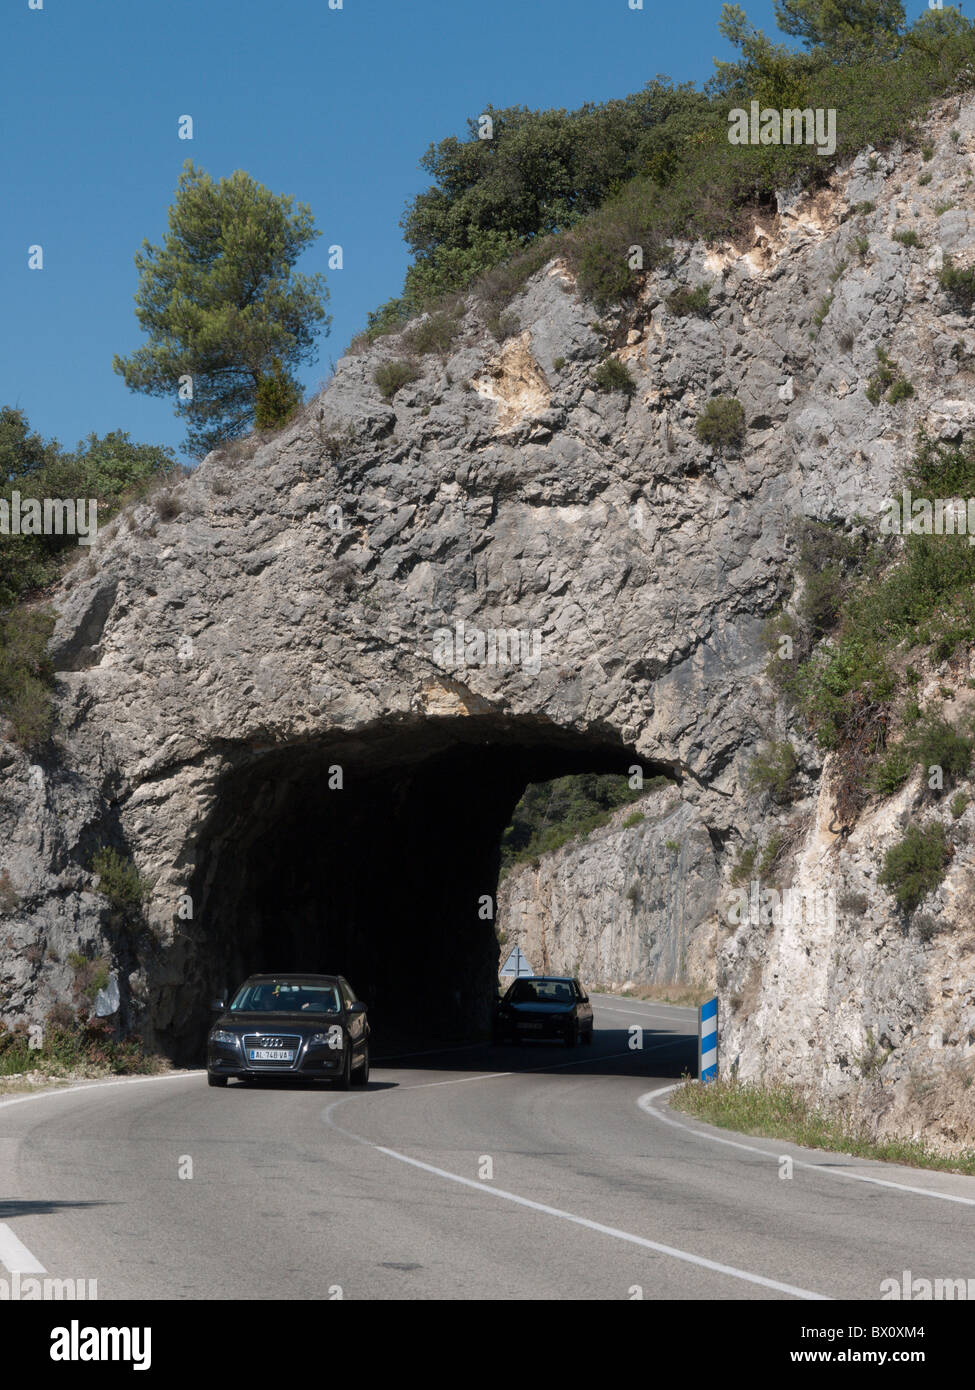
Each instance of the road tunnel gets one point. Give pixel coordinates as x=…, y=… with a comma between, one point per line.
x=374, y=856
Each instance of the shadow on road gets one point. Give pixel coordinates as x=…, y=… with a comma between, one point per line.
x=10, y=1210
x=663, y=1054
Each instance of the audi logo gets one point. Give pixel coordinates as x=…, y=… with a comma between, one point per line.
x=272, y=1042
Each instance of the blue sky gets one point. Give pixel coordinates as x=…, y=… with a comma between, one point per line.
x=334, y=107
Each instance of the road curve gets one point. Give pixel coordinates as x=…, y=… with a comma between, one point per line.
x=478, y=1173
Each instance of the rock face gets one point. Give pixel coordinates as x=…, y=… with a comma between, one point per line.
x=304, y=691
x=628, y=902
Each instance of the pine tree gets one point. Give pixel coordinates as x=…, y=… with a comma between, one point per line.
x=220, y=301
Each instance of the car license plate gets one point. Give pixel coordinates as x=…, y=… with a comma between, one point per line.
x=263, y=1054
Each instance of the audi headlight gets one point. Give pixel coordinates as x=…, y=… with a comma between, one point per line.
x=334, y=1038
x=220, y=1035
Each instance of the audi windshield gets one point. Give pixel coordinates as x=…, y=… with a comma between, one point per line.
x=273, y=997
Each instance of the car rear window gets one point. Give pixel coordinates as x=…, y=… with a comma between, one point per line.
x=542, y=992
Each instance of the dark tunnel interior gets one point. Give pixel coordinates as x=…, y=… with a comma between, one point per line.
x=374, y=857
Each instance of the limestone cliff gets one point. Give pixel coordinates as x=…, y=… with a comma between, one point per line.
x=257, y=705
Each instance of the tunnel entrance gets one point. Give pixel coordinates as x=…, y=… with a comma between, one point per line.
x=374, y=856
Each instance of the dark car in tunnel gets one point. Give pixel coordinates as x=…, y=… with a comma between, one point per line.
x=546, y=1007
x=303, y=1026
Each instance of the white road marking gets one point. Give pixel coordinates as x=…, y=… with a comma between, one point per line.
x=98, y=1086
x=652, y=1005
x=685, y=1255
x=589, y=1225
x=645, y=1103
x=15, y=1255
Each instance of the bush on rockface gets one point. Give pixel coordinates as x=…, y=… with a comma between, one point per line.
x=27, y=675
x=696, y=301
x=958, y=283
x=390, y=377
x=120, y=881
x=773, y=769
x=915, y=866
x=722, y=423
x=614, y=375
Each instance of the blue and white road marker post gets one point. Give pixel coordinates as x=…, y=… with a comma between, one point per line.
x=707, y=1040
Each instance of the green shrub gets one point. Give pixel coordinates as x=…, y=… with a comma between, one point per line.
x=863, y=246
x=771, y=854
x=695, y=301
x=603, y=270
x=939, y=744
x=120, y=881
x=722, y=423
x=892, y=771
x=908, y=238
x=927, y=152
x=864, y=208
x=72, y=1041
x=939, y=210
x=89, y=975
x=634, y=818
x=614, y=375
x=773, y=769
x=823, y=309
x=278, y=397
x=391, y=376
x=900, y=391
x=958, y=283
x=27, y=675
x=915, y=865
x=887, y=377
x=504, y=325
x=958, y=803
x=435, y=333
x=558, y=364
x=924, y=180
x=744, y=865
x=552, y=813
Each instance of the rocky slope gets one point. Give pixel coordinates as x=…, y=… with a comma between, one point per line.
x=255, y=704
x=631, y=901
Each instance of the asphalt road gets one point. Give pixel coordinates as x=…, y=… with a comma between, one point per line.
x=512, y=1173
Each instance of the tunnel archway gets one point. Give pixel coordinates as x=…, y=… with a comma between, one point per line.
x=374, y=855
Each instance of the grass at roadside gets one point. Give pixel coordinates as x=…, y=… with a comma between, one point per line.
x=785, y=1112
x=73, y=1048
x=685, y=996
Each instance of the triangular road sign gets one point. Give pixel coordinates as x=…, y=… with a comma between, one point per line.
x=516, y=964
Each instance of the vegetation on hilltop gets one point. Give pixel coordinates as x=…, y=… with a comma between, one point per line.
x=111, y=470
x=591, y=184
